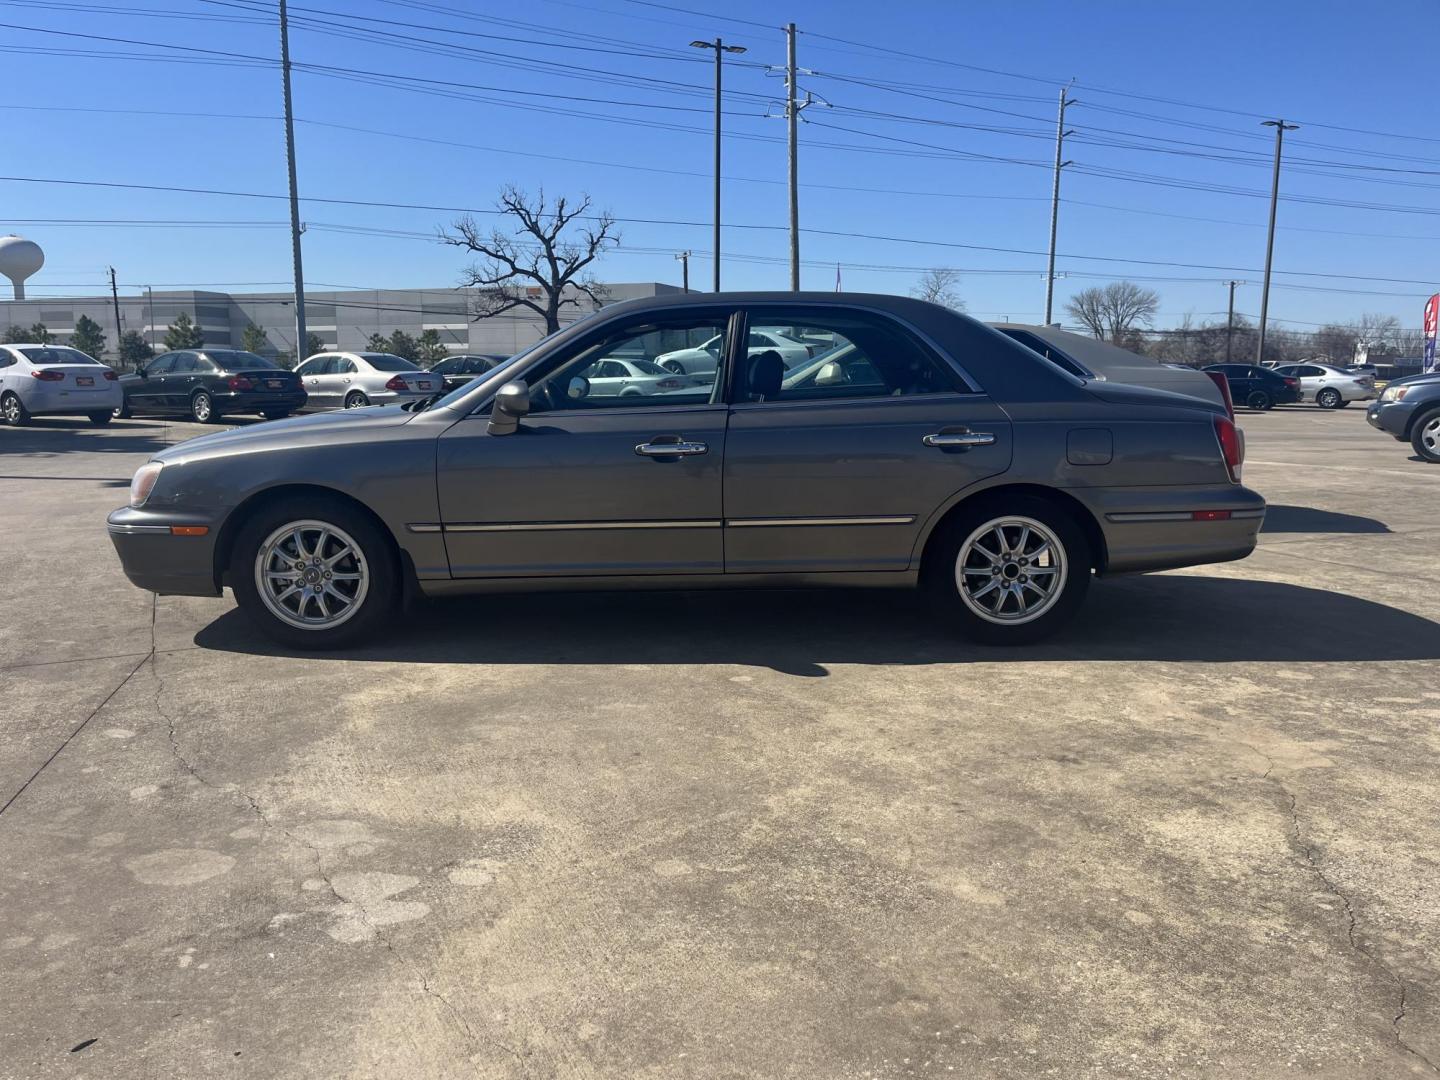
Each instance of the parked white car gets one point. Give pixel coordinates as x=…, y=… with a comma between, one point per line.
x=352, y=380
x=613, y=376
x=1329, y=387
x=703, y=359
x=52, y=380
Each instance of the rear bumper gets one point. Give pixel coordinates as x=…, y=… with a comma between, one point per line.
x=157, y=560
x=48, y=400
x=254, y=401
x=1155, y=529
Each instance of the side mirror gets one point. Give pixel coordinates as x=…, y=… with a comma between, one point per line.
x=830, y=374
x=512, y=402
x=579, y=388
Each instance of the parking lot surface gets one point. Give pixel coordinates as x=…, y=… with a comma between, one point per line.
x=762, y=834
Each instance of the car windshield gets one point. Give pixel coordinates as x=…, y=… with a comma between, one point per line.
x=234, y=360
x=388, y=362
x=57, y=354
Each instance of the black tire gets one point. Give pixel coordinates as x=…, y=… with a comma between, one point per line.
x=202, y=408
x=275, y=414
x=1073, y=565
x=122, y=411
x=13, y=411
x=1343, y=405
x=1329, y=398
x=356, y=400
x=100, y=419
x=1425, y=436
x=1259, y=400
x=379, y=602
x=675, y=367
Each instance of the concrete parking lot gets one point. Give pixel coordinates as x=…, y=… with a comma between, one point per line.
x=744, y=835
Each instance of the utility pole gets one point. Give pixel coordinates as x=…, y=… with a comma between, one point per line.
x=684, y=258
x=295, y=228
x=1280, y=127
x=150, y=316
x=720, y=50
x=1230, y=320
x=792, y=116
x=1060, y=134
x=119, y=329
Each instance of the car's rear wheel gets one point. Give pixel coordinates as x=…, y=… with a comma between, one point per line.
x=1344, y=404
x=1329, y=398
x=1259, y=400
x=315, y=574
x=100, y=419
x=13, y=411
x=1425, y=436
x=202, y=408
x=356, y=400
x=275, y=414
x=1008, y=571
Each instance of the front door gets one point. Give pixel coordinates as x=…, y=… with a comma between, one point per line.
x=589, y=485
x=148, y=394
x=317, y=376
x=837, y=463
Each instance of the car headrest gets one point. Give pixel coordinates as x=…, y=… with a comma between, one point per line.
x=767, y=369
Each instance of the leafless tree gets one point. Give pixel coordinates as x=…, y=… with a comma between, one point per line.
x=1112, y=312
x=534, y=265
x=940, y=286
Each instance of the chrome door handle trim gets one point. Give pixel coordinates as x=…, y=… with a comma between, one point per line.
x=672, y=449
x=960, y=438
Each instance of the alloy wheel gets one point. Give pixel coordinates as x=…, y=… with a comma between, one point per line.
x=12, y=408
x=311, y=575
x=1011, y=570
x=200, y=407
x=1430, y=436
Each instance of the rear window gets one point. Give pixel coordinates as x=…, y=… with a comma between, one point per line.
x=56, y=354
x=388, y=362
x=234, y=360
x=647, y=367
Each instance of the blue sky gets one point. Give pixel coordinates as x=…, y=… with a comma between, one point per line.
x=948, y=146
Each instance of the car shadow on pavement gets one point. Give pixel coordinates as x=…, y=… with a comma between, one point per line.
x=1307, y=519
x=51, y=437
x=1178, y=618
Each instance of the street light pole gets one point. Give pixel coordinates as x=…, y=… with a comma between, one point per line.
x=295, y=228
x=1230, y=320
x=1060, y=134
x=1280, y=127
x=720, y=49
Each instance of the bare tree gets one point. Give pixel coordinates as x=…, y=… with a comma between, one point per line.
x=1114, y=311
x=535, y=265
x=940, y=286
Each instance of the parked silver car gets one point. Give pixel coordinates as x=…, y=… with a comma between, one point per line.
x=931, y=452
x=1329, y=387
x=352, y=380
x=702, y=360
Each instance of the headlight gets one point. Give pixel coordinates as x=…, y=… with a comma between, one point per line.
x=144, y=482
x=1394, y=393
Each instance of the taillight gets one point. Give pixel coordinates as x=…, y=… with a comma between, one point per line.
x=239, y=382
x=1218, y=378
x=669, y=384
x=110, y=376
x=397, y=383
x=46, y=375
x=1232, y=446
x=1291, y=383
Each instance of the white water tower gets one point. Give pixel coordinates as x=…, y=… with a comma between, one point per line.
x=19, y=258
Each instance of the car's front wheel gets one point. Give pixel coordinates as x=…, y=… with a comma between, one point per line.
x=1425, y=436
x=1259, y=400
x=1329, y=398
x=13, y=411
x=1008, y=571
x=315, y=573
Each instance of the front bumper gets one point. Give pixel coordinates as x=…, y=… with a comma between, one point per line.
x=1155, y=528
x=1391, y=417
x=156, y=559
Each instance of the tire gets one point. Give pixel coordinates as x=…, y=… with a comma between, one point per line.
x=675, y=367
x=1329, y=398
x=202, y=408
x=1425, y=436
x=100, y=419
x=356, y=400
x=122, y=411
x=13, y=411
x=275, y=414
x=1344, y=405
x=954, y=554
x=266, y=543
x=1259, y=400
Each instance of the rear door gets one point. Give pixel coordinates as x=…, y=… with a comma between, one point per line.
x=837, y=464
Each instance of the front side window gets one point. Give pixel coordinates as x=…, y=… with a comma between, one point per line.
x=871, y=356
x=161, y=366
x=619, y=370
x=312, y=366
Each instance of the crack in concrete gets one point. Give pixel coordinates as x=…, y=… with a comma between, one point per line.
x=1312, y=863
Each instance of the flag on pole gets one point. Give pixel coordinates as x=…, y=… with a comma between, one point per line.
x=837, y=277
x=1432, y=324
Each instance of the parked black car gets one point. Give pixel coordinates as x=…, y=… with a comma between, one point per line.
x=206, y=384
x=1258, y=387
x=458, y=370
x=1409, y=409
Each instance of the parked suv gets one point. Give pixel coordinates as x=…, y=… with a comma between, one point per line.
x=1258, y=387
x=352, y=380
x=206, y=384
x=1409, y=409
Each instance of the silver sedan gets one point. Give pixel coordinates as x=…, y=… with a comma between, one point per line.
x=352, y=380
x=1329, y=387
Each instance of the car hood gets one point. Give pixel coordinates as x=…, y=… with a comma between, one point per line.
x=1411, y=380
x=342, y=425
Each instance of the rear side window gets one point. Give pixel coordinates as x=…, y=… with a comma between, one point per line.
x=184, y=363
x=388, y=362
x=867, y=356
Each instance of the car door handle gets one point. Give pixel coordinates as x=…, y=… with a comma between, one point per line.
x=959, y=438
x=672, y=449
